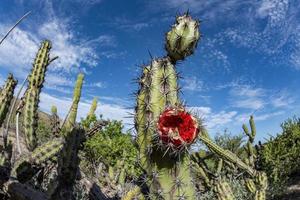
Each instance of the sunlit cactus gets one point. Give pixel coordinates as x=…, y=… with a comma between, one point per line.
x=6, y=96
x=163, y=155
x=93, y=107
x=32, y=98
x=71, y=118
x=182, y=39
x=223, y=190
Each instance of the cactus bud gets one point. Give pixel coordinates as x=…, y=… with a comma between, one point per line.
x=178, y=127
x=182, y=39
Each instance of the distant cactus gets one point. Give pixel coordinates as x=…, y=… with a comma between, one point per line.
x=36, y=80
x=93, y=107
x=164, y=128
x=54, y=122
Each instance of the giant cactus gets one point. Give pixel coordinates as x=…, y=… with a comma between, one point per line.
x=31, y=101
x=164, y=128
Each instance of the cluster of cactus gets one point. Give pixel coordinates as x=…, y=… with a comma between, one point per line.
x=165, y=132
x=61, y=150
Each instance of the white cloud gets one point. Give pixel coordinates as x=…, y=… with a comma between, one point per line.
x=111, y=111
x=193, y=84
x=213, y=120
x=17, y=52
x=245, y=96
x=257, y=117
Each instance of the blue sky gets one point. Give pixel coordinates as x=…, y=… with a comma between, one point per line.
x=247, y=62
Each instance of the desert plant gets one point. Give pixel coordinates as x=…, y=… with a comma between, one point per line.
x=161, y=119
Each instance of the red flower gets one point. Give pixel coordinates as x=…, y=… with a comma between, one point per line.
x=177, y=126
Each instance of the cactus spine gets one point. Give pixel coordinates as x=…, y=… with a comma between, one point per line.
x=36, y=80
x=6, y=97
x=168, y=175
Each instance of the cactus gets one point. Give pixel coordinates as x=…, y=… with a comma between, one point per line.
x=6, y=97
x=159, y=111
x=134, y=194
x=28, y=164
x=71, y=118
x=183, y=37
x=68, y=160
x=257, y=184
x=93, y=107
x=36, y=80
x=223, y=190
x=54, y=122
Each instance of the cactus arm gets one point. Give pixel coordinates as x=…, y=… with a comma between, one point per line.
x=6, y=96
x=71, y=118
x=225, y=154
x=223, y=190
x=35, y=80
x=93, y=107
x=134, y=194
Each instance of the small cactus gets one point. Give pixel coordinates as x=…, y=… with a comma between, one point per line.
x=54, y=122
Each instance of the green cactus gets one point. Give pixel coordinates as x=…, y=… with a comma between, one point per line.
x=6, y=96
x=54, y=122
x=71, y=118
x=134, y=194
x=169, y=176
x=183, y=38
x=93, y=107
x=68, y=160
x=36, y=80
x=226, y=154
x=257, y=184
x=24, y=168
x=223, y=190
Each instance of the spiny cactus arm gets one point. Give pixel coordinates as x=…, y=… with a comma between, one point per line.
x=35, y=80
x=225, y=154
x=249, y=146
x=93, y=107
x=134, y=194
x=6, y=96
x=40, y=156
x=71, y=118
x=223, y=190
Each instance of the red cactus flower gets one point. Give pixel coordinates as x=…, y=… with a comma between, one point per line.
x=177, y=126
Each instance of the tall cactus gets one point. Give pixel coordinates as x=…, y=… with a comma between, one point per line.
x=36, y=80
x=68, y=160
x=6, y=97
x=164, y=128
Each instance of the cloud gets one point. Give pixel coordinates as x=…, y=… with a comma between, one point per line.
x=192, y=84
x=245, y=96
x=111, y=111
x=213, y=120
x=258, y=117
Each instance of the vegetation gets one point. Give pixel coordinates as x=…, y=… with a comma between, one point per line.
x=97, y=159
